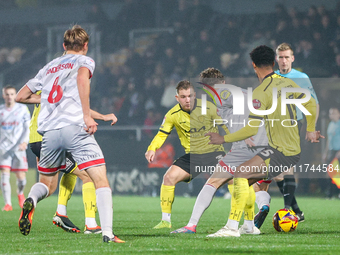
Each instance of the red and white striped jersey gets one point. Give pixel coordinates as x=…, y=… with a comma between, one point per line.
x=60, y=102
x=14, y=126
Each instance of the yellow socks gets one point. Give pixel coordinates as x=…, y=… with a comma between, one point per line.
x=250, y=205
x=231, y=191
x=167, y=198
x=240, y=196
x=66, y=187
x=89, y=200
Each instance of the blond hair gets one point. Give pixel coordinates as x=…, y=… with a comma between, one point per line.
x=75, y=38
x=283, y=47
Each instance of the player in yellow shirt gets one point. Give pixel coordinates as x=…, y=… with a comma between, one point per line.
x=68, y=181
x=284, y=149
x=191, y=126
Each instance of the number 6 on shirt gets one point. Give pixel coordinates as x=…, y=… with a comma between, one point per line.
x=56, y=93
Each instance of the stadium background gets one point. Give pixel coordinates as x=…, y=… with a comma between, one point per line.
x=143, y=48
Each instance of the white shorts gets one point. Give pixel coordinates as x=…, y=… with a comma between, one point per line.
x=233, y=159
x=14, y=160
x=73, y=139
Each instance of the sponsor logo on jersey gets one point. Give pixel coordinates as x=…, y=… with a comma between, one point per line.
x=9, y=124
x=256, y=103
x=194, y=130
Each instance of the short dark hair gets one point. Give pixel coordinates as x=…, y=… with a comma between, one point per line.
x=263, y=56
x=8, y=87
x=184, y=84
x=336, y=107
x=211, y=76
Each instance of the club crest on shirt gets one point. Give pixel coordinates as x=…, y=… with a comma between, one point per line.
x=225, y=94
x=256, y=104
x=201, y=118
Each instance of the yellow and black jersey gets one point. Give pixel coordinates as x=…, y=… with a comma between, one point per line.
x=34, y=135
x=282, y=129
x=191, y=128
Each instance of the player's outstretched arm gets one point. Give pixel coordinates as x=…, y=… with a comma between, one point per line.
x=104, y=117
x=150, y=155
x=26, y=96
x=312, y=135
x=111, y=117
x=239, y=135
x=310, y=105
x=317, y=113
x=160, y=137
x=155, y=144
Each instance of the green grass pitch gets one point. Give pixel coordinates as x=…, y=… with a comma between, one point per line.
x=134, y=218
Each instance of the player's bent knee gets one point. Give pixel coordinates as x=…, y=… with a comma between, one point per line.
x=175, y=175
x=167, y=179
x=5, y=170
x=171, y=179
x=52, y=189
x=217, y=182
x=278, y=178
x=102, y=182
x=51, y=181
x=231, y=182
x=240, y=174
x=82, y=175
x=250, y=175
x=256, y=187
x=20, y=175
x=98, y=176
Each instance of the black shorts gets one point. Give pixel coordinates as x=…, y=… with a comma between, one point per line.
x=195, y=164
x=35, y=148
x=71, y=165
x=276, y=161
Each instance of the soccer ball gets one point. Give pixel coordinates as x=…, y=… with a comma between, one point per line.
x=285, y=220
